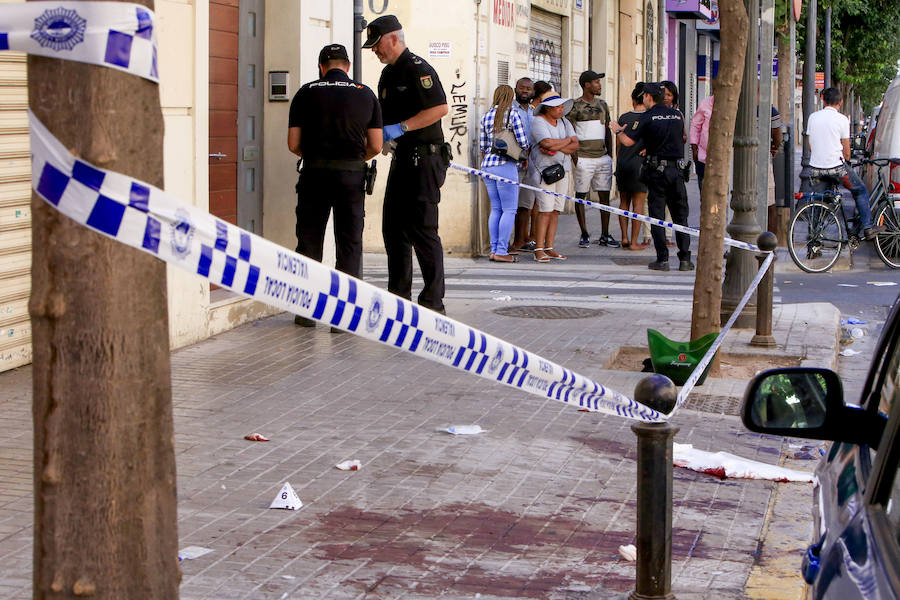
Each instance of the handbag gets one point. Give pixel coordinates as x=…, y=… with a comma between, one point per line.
x=553, y=173
x=505, y=143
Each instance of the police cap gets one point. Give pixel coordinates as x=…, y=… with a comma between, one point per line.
x=379, y=27
x=333, y=52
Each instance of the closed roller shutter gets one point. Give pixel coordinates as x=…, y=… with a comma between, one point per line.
x=15, y=214
x=545, y=55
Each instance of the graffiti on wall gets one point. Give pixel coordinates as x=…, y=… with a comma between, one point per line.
x=459, y=116
x=504, y=13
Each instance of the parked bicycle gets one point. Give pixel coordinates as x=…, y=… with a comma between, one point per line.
x=819, y=229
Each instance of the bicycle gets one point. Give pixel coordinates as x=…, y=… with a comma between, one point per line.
x=816, y=234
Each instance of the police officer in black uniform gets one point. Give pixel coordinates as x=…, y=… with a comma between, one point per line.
x=413, y=103
x=334, y=126
x=661, y=129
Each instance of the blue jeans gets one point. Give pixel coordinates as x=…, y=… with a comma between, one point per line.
x=848, y=178
x=504, y=202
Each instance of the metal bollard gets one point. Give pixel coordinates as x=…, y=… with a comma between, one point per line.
x=654, y=492
x=765, y=241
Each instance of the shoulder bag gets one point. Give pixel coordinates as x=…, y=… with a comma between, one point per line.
x=505, y=143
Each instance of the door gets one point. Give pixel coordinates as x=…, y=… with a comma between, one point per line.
x=250, y=115
x=235, y=111
x=545, y=57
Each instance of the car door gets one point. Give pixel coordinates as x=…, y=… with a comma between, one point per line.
x=859, y=494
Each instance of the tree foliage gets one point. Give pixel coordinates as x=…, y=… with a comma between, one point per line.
x=865, y=44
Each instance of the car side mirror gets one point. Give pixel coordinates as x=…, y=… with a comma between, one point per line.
x=807, y=402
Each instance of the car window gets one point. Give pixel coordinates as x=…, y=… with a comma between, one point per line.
x=888, y=393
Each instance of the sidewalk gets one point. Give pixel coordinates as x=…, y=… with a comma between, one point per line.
x=536, y=507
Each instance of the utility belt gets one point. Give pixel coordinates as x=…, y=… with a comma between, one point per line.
x=417, y=151
x=334, y=165
x=655, y=163
x=370, y=172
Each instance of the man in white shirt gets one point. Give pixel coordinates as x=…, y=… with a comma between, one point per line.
x=829, y=143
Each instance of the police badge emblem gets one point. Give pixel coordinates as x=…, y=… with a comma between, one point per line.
x=426, y=82
x=59, y=29
x=376, y=311
x=495, y=362
x=182, y=233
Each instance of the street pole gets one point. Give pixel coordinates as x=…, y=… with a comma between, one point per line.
x=764, y=338
x=359, y=25
x=653, y=571
x=809, y=90
x=828, y=47
x=739, y=267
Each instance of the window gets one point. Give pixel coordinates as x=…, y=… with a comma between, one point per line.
x=649, y=41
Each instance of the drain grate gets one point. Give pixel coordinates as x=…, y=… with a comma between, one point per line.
x=548, y=312
x=721, y=405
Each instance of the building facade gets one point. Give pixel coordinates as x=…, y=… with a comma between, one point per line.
x=228, y=71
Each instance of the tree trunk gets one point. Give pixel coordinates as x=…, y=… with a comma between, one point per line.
x=714, y=198
x=104, y=461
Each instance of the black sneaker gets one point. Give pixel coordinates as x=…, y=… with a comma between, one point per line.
x=685, y=265
x=584, y=242
x=871, y=232
x=610, y=241
x=304, y=322
x=659, y=265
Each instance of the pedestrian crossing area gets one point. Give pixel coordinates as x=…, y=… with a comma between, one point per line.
x=563, y=283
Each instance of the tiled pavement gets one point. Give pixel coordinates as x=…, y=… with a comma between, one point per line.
x=533, y=508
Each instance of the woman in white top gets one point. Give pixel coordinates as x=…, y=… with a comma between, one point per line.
x=553, y=141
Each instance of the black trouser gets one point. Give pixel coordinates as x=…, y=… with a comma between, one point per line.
x=318, y=192
x=701, y=171
x=411, y=221
x=667, y=189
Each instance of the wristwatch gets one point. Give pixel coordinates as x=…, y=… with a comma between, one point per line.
x=403, y=127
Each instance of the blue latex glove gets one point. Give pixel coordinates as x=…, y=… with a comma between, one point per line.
x=392, y=132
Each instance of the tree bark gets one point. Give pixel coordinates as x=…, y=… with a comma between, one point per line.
x=714, y=198
x=785, y=75
x=104, y=461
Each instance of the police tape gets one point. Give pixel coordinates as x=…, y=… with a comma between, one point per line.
x=147, y=218
x=618, y=211
x=117, y=35
x=707, y=358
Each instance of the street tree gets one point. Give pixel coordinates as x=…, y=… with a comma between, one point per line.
x=104, y=461
x=714, y=197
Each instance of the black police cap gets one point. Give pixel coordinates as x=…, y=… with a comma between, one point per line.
x=333, y=52
x=379, y=27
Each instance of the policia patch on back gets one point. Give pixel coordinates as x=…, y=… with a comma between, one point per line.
x=426, y=82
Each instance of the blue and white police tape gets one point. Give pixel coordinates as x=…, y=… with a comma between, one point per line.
x=618, y=211
x=112, y=34
x=701, y=366
x=146, y=218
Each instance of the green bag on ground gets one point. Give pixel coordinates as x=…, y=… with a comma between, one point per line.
x=677, y=360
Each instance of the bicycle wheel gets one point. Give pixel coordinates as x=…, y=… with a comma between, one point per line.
x=887, y=244
x=815, y=237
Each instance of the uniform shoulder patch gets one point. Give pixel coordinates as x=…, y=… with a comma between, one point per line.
x=426, y=81
x=634, y=125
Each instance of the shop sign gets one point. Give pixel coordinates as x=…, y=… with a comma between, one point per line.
x=561, y=7
x=689, y=9
x=712, y=23
x=504, y=13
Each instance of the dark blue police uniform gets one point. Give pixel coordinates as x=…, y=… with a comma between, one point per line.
x=418, y=170
x=334, y=114
x=661, y=129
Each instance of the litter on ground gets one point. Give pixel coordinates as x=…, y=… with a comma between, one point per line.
x=723, y=465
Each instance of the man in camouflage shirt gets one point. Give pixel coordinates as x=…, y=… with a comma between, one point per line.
x=594, y=166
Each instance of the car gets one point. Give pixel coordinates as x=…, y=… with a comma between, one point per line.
x=855, y=550
x=885, y=141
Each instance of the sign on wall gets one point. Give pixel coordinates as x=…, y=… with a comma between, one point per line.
x=439, y=50
x=504, y=13
x=560, y=7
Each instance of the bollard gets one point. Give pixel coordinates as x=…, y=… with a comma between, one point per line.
x=763, y=337
x=653, y=579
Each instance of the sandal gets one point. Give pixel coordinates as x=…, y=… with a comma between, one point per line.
x=544, y=258
x=505, y=258
x=554, y=254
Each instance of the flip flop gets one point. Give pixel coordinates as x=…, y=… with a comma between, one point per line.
x=556, y=255
x=541, y=259
x=512, y=259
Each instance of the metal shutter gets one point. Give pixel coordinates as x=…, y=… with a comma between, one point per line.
x=15, y=214
x=545, y=55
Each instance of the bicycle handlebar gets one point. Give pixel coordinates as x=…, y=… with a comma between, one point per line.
x=878, y=162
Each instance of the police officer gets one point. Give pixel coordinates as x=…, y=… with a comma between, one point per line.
x=334, y=126
x=661, y=130
x=412, y=102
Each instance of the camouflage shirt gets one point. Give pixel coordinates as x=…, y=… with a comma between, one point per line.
x=590, y=121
